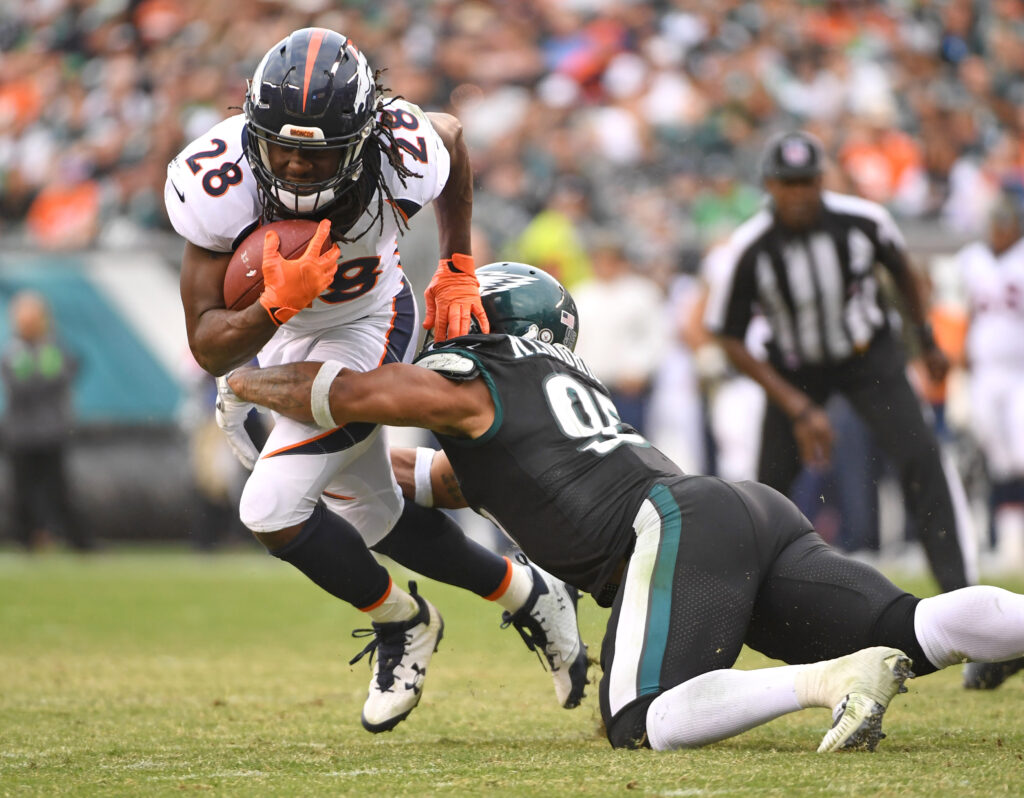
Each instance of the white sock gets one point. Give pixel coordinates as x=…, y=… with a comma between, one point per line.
x=517, y=591
x=720, y=704
x=980, y=623
x=396, y=605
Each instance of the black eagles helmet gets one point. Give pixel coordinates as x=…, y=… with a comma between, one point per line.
x=526, y=301
x=313, y=89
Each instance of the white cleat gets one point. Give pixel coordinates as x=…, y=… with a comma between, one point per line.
x=547, y=623
x=403, y=651
x=867, y=681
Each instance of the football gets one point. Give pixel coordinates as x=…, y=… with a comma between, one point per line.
x=243, y=280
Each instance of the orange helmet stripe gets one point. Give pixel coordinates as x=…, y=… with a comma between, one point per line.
x=311, y=54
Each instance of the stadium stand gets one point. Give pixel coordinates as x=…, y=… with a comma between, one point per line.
x=654, y=111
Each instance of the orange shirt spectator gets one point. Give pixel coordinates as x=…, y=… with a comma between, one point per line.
x=949, y=326
x=20, y=102
x=65, y=215
x=879, y=162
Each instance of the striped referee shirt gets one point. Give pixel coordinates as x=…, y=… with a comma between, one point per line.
x=816, y=287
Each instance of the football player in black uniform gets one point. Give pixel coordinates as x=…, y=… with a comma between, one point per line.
x=692, y=566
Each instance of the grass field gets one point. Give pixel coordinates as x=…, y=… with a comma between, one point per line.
x=144, y=672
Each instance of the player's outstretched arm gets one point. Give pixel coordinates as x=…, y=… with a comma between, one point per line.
x=396, y=394
x=454, y=205
x=453, y=297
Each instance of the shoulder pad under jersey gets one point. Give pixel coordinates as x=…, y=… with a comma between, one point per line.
x=453, y=365
x=210, y=193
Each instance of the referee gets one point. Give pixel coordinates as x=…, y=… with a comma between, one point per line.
x=807, y=264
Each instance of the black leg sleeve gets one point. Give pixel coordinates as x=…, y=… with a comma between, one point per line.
x=432, y=544
x=330, y=551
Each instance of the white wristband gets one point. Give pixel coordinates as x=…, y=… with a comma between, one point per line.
x=320, y=394
x=421, y=476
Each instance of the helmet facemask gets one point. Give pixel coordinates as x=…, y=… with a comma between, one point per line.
x=308, y=196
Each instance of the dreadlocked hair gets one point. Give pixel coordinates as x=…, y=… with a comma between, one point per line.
x=388, y=148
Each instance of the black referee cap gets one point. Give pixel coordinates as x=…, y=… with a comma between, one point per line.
x=792, y=156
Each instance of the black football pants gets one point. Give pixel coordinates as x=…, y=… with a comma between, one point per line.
x=723, y=564
x=42, y=498
x=876, y=386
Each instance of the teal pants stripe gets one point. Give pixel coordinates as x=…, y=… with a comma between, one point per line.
x=660, y=597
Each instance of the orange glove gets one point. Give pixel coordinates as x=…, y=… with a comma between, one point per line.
x=453, y=298
x=291, y=285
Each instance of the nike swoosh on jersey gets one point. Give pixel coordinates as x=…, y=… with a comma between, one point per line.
x=177, y=191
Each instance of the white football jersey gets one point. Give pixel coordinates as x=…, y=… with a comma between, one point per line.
x=213, y=201
x=994, y=286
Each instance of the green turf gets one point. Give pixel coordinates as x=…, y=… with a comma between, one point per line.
x=156, y=672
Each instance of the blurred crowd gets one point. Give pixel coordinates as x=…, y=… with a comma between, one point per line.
x=614, y=142
x=641, y=117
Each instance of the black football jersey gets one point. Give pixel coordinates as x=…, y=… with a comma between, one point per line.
x=557, y=470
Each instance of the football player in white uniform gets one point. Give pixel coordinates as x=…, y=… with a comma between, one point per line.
x=317, y=140
x=992, y=274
